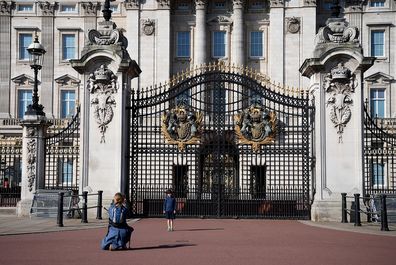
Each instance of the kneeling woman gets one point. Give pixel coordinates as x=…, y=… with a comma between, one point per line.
x=119, y=232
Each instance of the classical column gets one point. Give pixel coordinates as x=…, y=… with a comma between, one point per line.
x=200, y=32
x=33, y=160
x=47, y=40
x=238, y=48
x=5, y=57
x=276, y=41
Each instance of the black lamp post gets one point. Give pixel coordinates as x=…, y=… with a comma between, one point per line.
x=36, y=56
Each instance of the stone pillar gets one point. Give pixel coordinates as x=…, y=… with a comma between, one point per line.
x=200, y=39
x=33, y=160
x=336, y=74
x=5, y=57
x=132, y=33
x=276, y=41
x=238, y=44
x=107, y=71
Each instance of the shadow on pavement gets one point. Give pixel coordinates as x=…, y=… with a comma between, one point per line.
x=163, y=246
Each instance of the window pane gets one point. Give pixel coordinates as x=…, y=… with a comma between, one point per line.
x=377, y=43
x=378, y=174
x=377, y=3
x=24, y=100
x=68, y=103
x=377, y=102
x=25, y=8
x=219, y=43
x=68, y=46
x=256, y=44
x=183, y=44
x=24, y=41
x=67, y=171
x=68, y=8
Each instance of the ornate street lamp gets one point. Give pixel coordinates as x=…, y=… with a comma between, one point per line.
x=36, y=56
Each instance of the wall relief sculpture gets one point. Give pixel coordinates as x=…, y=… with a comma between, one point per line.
x=337, y=31
x=182, y=126
x=31, y=158
x=339, y=85
x=255, y=126
x=102, y=86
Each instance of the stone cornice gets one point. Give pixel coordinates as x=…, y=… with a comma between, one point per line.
x=47, y=8
x=163, y=4
x=6, y=7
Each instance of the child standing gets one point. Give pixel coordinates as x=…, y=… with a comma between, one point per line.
x=169, y=209
x=119, y=232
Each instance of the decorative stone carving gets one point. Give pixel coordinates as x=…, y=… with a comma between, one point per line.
x=148, y=26
x=90, y=7
x=163, y=3
x=337, y=31
x=47, y=8
x=6, y=7
x=238, y=3
x=107, y=35
x=339, y=85
x=255, y=126
x=293, y=25
x=102, y=85
x=132, y=4
x=200, y=4
x=310, y=2
x=277, y=3
x=31, y=159
x=182, y=126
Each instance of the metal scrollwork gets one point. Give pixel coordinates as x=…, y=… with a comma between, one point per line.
x=339, y=85
x=102, y=85
x=182, y=126
x=255, y=126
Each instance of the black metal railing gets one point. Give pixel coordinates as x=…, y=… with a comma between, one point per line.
x=380, y=208
x=62, y=149
x=75, y=206
x=10, y=171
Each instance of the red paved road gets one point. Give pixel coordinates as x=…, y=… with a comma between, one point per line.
x=206, y=242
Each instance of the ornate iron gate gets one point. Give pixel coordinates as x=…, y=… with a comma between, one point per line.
x=379, y=154
x=226, y=140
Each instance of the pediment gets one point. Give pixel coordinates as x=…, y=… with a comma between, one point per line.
x=23, y=80
x=379, y=77
x=219, y=20
x=67, y=80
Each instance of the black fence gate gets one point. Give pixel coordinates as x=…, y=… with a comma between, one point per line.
x=227, y=141
x=379, y=154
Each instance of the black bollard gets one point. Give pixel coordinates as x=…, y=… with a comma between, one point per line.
x=344, y=208
x=59, y=220
x=99, y=210
x=384, y=214
x=85, y=207
x=357, y=210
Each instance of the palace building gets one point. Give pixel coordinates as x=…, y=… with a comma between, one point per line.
x=241, y=106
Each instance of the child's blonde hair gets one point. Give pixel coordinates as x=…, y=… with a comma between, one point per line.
x=118, y=198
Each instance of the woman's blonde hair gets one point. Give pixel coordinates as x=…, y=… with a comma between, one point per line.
x=118, y=198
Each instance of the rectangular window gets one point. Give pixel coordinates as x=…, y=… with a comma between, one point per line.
x=219, y=44
x=220, y=5
x=378, y=174
x=257, y=182
x=256, y=44
x=67, y=171
x=114, y=8
x=24, y=100
x=257, y=5
x=68, y=46
x=378, y=43
x=180, y=181
x=68, y=103
x=377, y=3
x=377, y=102
x=327, y=5
x=183, y=44
x=24, y=41
x=25, y=8
x=68, y=8
x=183, y=6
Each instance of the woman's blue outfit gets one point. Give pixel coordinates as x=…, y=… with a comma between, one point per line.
x=119, y=232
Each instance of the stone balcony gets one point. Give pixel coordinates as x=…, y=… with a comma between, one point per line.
x=12, y=127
